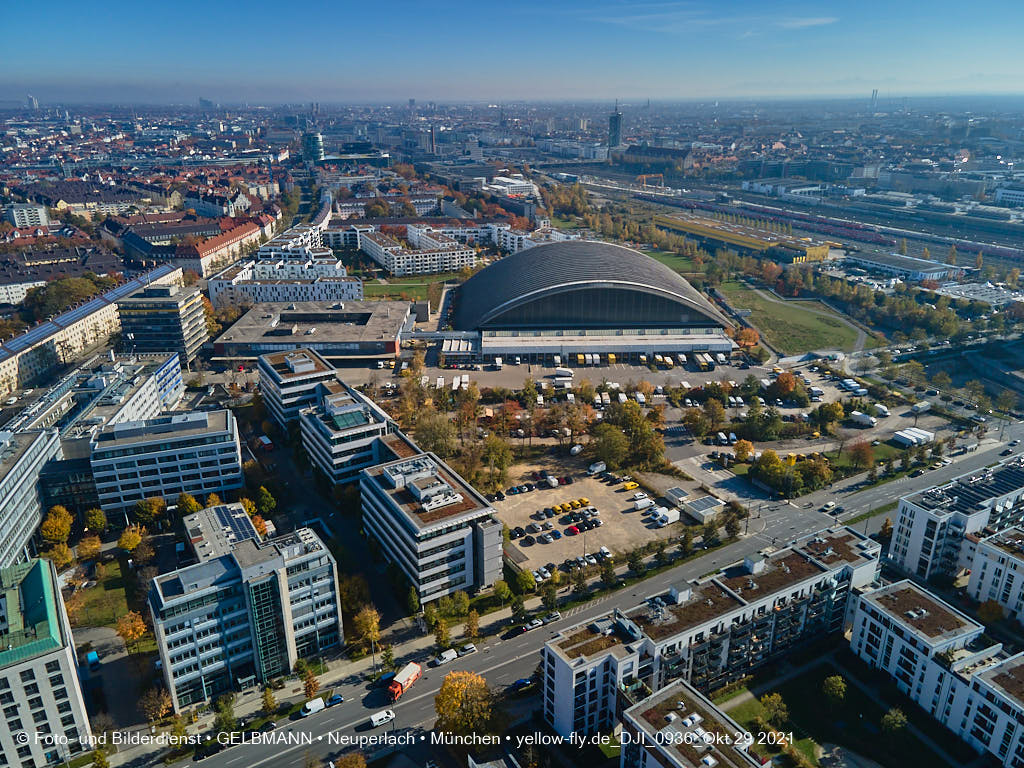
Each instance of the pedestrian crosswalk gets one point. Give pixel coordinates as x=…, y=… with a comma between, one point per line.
x=585, y=606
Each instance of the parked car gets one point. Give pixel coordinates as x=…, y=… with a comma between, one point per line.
x=533, y=624
x=467, y=649
x=553, y=616
x=337, y=698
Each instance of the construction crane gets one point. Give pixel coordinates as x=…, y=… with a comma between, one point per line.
x=643, y=178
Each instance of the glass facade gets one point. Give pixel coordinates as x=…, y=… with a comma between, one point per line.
x=268, y=627
x=598, y=307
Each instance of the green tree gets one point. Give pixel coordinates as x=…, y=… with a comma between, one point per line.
x=732, y=527
x=525, y=582
x=99, y=758
x=497, y=455
x=608, y=576
x=549, y=595
x=434, y=432
x=894, y=722
x=834, y=688
x=387, y=657
x=224, y=720
x=775, y=710
x=609, y=445
x=412, y=600
x=265, y=502
x=990, y=612
x=502, y=591
x=149, y=510
x=96, y=520
x=441, y=635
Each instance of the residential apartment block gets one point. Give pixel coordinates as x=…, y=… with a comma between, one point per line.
x=253, y=282
x=22, y=457
x=438, y=530
x=708, y=632
x=27, y=215
x=164, y=318
x=997, y=570
x=197, y=453
x=677, y=727
x=438, y=252
x=942, y=660
x=247, y=611
x=39, y=688
x=932, y=525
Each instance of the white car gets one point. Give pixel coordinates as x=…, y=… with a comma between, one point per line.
x=379, y=718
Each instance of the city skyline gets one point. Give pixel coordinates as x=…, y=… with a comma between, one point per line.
x=588, y=52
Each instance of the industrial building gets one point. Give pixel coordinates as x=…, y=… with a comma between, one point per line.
x=560, y=299
x=247, y=611
x=744, y=239
x=39, y=688
x=350, y=329
x=905, y=267
x=709, y=632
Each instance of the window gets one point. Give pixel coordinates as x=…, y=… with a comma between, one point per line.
x=27, y=674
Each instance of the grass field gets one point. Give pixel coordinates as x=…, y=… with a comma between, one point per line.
x=673, y=260
x=791, y=329
x=103, y=604
x=854, y=723
x=416, y=291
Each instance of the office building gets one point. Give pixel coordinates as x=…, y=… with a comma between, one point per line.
x=943, y=661
x=430, y=523
x=350, y=329
x=22, y=457
x=615, y=128
x=677, y=727
x=247, y=611
x=30, y=355
x=709, y=632
x=39, y=688
x=312, y=147
x=197, y=453
x=291, y=381
x=164, y=318
x=27, y=215
x=341, y=432
x=932, y=525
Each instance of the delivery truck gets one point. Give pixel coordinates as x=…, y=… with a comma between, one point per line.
x=404, y=679
x=669, y=516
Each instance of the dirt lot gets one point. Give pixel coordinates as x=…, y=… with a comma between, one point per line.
x=623, y=528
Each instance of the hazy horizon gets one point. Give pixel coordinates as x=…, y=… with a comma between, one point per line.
x=455, y=51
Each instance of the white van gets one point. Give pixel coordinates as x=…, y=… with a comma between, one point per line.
x=378, y=719
x=311, y=707
x=445, y=657
x=642, y=504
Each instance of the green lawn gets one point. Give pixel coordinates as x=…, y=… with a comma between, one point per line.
x=103, y=604
x=673, y=260
x=854, y=724
x=417, y=291
x=789, y=328
x=561, y=222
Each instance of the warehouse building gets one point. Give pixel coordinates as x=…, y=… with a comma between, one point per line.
x=906, y=267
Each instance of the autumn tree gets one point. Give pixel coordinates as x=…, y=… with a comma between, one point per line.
x=187, y=504
x=268, y=700
x=463, y=704
x=213, y=500
x=367, y=628
x=441, y=635
x=472, y=626
x=60, y=555
x=744, y=450
x=155, y=703
x=56, y=528
x=149, y=510
x=861, y=453
x=747, y=337
x=131, y=537
x=310, y=684
x=89, y=548
x=131, y=627
x=351, y=760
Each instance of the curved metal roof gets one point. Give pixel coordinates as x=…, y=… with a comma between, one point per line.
x=555, y=267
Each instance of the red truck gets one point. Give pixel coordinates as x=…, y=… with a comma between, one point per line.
x=403, y=681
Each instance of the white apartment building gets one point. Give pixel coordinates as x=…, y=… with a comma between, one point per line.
x=438, y=530
x=709, y=632
x=940, y=659
x=39, y=689
x=347, y=235
x=931, y=525
x=448, y=256
x=22, y=457
x=15, y=293
x=997, y=570
x=516, y=240
x=512, y=186
x=677, y=727
x=27, y=215
x=247, y=611
x=197, y=453
x=342, y=431
x=291, y=381
x=256, y=282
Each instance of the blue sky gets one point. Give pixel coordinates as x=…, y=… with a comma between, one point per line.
x=443, y=50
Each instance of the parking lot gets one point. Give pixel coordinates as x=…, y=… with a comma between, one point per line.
x=622, y=528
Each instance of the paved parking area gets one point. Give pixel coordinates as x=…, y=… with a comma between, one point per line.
x=623, y=528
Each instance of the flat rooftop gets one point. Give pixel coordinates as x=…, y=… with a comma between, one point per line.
x=686, y=725
x=1010, y=541
x=833, y=547
x=896, y=261
x=296, y=364
x=612, y=633
x=318, y=322
x=1007, y=677
x=972, y=492
x=911, y=606
x=423, y=475
x=779, y=572
x=176, y=425
x=105, y=389
x=739, y=234
x=13, y=446
x=29, y=623
x=214, y=531
x=707, y=601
